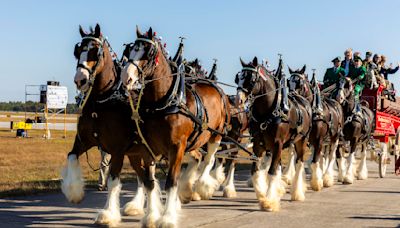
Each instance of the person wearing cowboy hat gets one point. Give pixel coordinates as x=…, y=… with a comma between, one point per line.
x=333, y=74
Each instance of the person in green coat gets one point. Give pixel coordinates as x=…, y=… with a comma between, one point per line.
x=357, y=76
x=333, y=74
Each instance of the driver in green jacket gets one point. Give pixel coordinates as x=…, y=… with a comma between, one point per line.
x=333, y=75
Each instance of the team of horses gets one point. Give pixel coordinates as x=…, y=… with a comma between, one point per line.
x=155, y=106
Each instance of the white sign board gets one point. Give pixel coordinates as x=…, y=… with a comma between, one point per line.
x=57, y=97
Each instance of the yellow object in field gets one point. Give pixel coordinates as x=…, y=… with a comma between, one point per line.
x=22, y=125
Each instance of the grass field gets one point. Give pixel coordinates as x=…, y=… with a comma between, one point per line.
x=20, y=116
x=32, y=165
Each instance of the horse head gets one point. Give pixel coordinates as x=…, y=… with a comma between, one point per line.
x=93, y=55
x=143, y=56
x=298, y=81
x=344, y=90
x=249, y=80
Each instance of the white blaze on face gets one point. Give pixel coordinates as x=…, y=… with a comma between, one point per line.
x=82, y=73
x=130, y=73
x=240, y=98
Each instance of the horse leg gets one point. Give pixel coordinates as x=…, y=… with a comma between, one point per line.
x=206, y=185
x=289, y=171
x=349, y=177
x=275, y=186
x=110, y=215
x=341, y=163
x=258, y=177
x=154, y=206
x=362, y=172
x=218, y=172
x=136, y=205
x=299, y=186
x=229, y=188
x=316, y=166
x=72, y=181
x=173, y=205
x=185, y=187
x=328, y=175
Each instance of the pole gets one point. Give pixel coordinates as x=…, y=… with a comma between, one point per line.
x=65, y=123
x=46, y=124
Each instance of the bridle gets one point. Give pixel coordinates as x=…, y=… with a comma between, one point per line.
x=151, y=56
x=100, y=55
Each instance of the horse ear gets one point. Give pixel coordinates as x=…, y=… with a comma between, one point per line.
x=97, y=32
x=290, y=70
x=196, y=62
x=255, y=61
x=138, y=33
x=150, y=33
x=81, y=31
x=303, y=69
x=242, y=62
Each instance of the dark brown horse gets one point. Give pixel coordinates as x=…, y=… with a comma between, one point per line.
x=174, y=119
x=357, y=129
x=105, y=121
x=273, y=132
x=326, y=128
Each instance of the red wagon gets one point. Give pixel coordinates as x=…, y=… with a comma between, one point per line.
x=385, y=140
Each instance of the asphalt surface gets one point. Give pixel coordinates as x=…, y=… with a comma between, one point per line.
x=369, y=203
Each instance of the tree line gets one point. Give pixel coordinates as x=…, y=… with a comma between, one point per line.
x=31, y=106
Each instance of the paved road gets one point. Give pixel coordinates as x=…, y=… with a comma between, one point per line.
x=371, y=203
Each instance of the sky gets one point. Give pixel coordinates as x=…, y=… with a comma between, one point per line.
x=37, y=37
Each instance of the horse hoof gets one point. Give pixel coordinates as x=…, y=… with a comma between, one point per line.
x=196, y=196
x=132, y=209
x=150, y=221
x=269, y=205
x=328, y=181
x=229, y=192
x=109, y=218
x=316, y=185
x=348, y=180
x=205, y=187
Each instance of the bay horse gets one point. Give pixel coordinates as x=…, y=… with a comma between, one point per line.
x=175, y=118
x=357, y=129
x=105, y=121
x=272, y=132
x=326, y=127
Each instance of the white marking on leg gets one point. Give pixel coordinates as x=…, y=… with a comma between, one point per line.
x=170, y=217
x=349, y=177
x=362, y=173
x=328, y=175
x=110, y=215
x=188, y=177
x=136, y=206
x=272, y=200
x=229, y=189
x=316, y=177
x=72, y=181
x=206, y=185
x=218, y=172
x=154, y=206
x=289, y=171
x=298, y=187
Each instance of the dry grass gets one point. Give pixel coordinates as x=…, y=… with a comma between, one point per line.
x=31, y=165
x=20, y=116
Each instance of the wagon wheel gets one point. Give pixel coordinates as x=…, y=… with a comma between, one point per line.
x=383, y=155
